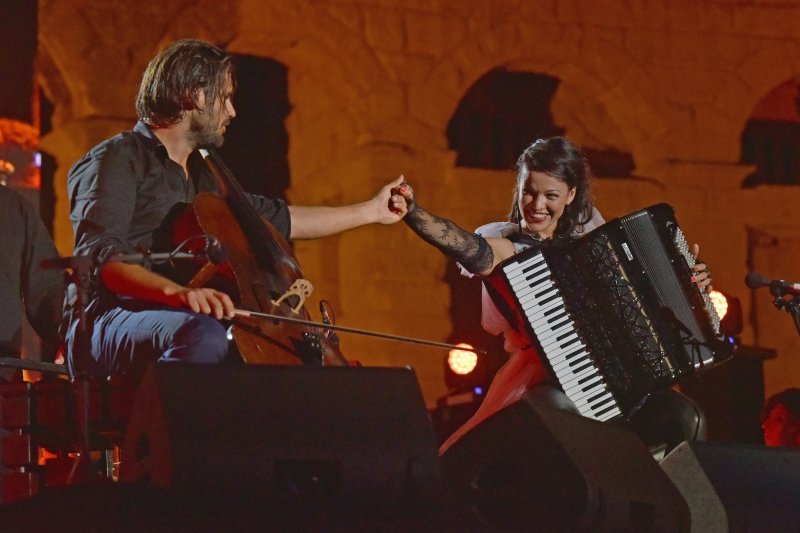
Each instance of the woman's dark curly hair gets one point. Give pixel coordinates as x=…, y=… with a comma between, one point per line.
x=790, y=398
x=559, y=158
x=172, y=79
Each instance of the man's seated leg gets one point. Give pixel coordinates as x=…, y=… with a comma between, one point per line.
x=132, y=335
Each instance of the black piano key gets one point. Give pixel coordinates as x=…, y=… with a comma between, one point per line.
x=554, y=327
x=596, y=397
x=540, y=294
x=573, y=354
x=593, y=385
x=553, y=310
x=580, y=368
x=537, y=273
x=564, y=336
x=611, y=407
x=573, y=341
x=533, y=265
x=549, y=299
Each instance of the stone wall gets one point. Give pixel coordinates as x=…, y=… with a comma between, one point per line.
x=373, y=84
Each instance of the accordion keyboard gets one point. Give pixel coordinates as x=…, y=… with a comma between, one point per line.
x=569, y=358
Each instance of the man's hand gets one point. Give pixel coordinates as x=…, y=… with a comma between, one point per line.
x=386, y=207
x=390, y=206
x=142, y=284
x=204, y=300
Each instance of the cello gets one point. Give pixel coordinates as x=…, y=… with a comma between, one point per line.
x=260, y=274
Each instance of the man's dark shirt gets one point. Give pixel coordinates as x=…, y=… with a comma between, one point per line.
x=123, y=189
x=25, y=287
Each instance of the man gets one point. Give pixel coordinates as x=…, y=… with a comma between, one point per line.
x=25, y=287
x=6, y=169
x=122, y=190
x=780, y=419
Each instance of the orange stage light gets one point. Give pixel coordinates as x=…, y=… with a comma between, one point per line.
x=462, y=362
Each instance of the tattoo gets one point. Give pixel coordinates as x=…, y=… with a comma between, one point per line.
x=469, y=249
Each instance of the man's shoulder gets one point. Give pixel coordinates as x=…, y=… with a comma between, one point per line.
x=124, y=145
x=125, y=140
x=11, y=201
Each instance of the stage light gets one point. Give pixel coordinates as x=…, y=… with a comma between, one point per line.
x=729, y=309
x=464, y=369
x=720, y=303
x=462, y=362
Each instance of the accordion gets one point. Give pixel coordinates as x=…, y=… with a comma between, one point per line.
x=613, y=313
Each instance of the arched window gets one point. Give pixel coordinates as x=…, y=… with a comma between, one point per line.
x=256, y=141
x=771, y=138
x=503, y=112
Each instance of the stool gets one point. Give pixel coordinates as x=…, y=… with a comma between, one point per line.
x=52, y=416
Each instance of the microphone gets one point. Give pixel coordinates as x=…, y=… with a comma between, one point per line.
x=326, y=310
x=215, y=252
x=216, y=255
x=755, y=280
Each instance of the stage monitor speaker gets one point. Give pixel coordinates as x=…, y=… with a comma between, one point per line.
x=734, y=487
x=338, y=434
x=533, y=468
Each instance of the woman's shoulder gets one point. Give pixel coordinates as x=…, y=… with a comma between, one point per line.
x=497, y=230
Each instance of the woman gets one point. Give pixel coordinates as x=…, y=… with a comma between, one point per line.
x=552, y=200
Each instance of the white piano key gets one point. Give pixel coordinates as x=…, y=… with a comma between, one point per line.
x=545, y=333
x=563, y=343
x=595, y=404
x=552, y=321
x=527, y=293
x=519, y=265
x=530, y=269
x=609, y=414
x=533, y=309
x=569, y=379
x=603, y=405
x=580, y=388
x=599, y=403
x=566, y=357
x=529, y=290
x=568, y=376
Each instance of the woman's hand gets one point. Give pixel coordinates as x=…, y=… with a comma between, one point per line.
x=406, y=193
x=700, y=272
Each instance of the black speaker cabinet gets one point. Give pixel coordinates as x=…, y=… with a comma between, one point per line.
x=534, y=468
x=737, y=488
x=357, y=435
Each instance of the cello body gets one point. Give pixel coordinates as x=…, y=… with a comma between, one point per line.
x=259, y=274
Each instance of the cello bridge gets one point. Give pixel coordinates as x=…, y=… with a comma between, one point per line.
x=301, y=288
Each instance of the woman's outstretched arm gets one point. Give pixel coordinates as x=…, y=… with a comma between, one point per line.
x=475, y=253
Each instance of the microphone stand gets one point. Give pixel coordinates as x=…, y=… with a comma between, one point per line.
x=790, y=305
x=82, y=267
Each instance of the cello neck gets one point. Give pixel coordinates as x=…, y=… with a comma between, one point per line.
x=267, y=243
